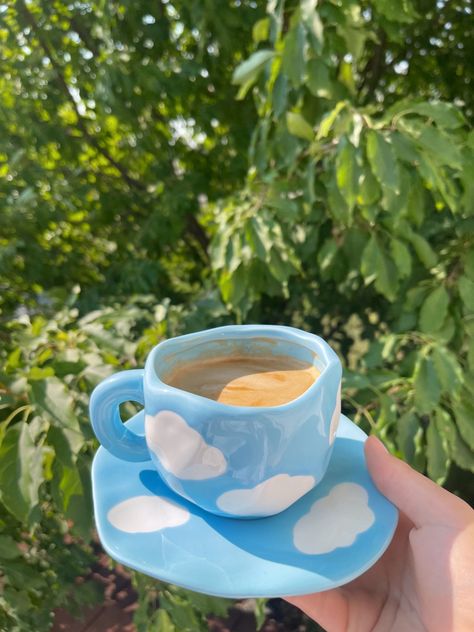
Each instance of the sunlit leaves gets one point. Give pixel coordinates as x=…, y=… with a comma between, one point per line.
x=298, y=126
x=329, y=119
x=252, y=255
x=247, y=73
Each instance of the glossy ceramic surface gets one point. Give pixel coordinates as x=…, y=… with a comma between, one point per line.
x=327, y=538
x=229, y=460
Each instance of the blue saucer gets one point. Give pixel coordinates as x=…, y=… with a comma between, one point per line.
x=329, y=537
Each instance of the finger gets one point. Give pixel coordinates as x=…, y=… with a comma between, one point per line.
x=329, y=609
x=420, y=499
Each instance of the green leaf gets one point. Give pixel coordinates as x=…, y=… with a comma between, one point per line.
x=437, y=454
x=403, y=12
x=461, y=454
x=464, y=414
x=347, y=172
x=329, y=119
x=253, y=237
x=280, y=95
x=21, y=471
x=52, y=397
x=260, y=30
x=206, y=604
x=425, y=253
x=442, y=147
x=37, y=373
x=409, y=439
x=327, y=254
x=8, y=548
x=180, y=610
x=163, y=622
x=313, y=22
x=401, y=257
x=370, y=259
x=434, y=310
x=79, y=497
x=434, y=175
x=298, y=126
x=382, y=161
x=375, y=265
x=233, y=286
x=469, y=264
x=447, y=369
x=293, y=61
x=338, y=205
x=470, y=354
x=66, y=483
x=278, y=267
x=346, y=76
x=353, y=380
x=249, y=69
x=13, y=360
x=466, y=290
x=355, y=39
x=404, y=147
x=415, y=206
x=368, y=190
x=443, y=114
x=446, y=332
x=64, y=449
x=318, y=81
x=446, y=429
x=260, y=611
x=426, y=385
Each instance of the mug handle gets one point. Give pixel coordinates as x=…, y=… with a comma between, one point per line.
x=105, y=415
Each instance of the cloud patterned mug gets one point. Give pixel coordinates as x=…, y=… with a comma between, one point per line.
x=234, y=461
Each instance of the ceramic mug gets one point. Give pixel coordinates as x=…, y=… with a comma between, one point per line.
x=237, y=461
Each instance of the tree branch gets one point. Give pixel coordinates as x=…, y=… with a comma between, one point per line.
x=29, y=18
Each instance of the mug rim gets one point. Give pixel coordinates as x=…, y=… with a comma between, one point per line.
x=312, y=341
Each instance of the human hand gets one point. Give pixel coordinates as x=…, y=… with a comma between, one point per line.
x=425, y=579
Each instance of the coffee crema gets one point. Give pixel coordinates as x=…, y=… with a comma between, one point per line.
x=245, y=380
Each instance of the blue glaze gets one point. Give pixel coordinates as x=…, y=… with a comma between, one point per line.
x=257, y=443
x=241, y=558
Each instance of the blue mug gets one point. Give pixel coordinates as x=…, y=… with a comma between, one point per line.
x=234, y=461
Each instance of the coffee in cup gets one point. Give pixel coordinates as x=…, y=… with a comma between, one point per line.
x=245, y=380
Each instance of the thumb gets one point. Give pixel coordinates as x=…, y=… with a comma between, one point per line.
x=421, y=500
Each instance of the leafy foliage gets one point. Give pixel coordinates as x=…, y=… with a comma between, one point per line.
x=171, y=166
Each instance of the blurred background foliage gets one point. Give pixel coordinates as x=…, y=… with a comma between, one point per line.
x=169, y=166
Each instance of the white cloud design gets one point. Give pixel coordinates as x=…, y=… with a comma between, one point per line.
x=144, y=514
x=267, y=498
x=334, y=521
x=181, y=449
x=335, y=417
